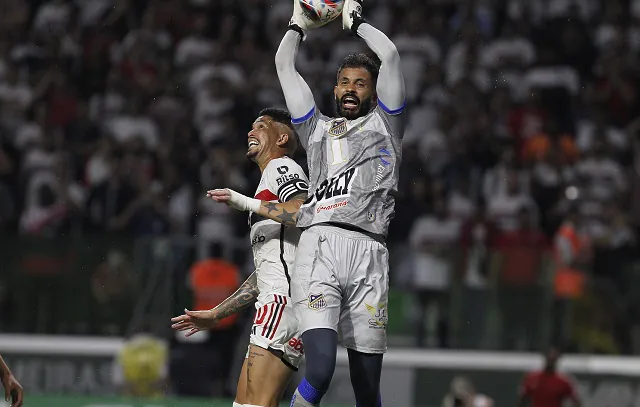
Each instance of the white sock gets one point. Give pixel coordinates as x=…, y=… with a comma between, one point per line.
x=237, y=404
x=250, y=405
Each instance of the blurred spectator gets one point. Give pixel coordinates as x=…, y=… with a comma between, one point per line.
x=113, y=291
x=547, y=387
x=551, y=138
x=478, y=238
x=571, y=250
x=463, y=394
x=211, y=280
x=432, y=239
x=503, y=208
x=519, y=263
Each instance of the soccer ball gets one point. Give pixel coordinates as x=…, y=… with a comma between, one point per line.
x=322, y=11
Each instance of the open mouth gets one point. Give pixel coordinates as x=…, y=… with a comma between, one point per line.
x=252, y=144
x=350, y=102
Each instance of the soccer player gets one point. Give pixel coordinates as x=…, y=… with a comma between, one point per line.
x=275, y=348
x=547, y=388
x=12, y=389
x=340, y=285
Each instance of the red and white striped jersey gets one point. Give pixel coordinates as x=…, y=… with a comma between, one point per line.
x=274, y=244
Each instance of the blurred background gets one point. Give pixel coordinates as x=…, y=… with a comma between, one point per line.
x=516, y=224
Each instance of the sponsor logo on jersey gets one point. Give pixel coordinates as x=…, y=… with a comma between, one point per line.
x=257, y=239
x=317, y=301
x=385, y=157
x=286, y=178
x=371, y=216
x=330, y=207
x=378, y=314
x=338, y=127
x=296, y=345
x=334, y=187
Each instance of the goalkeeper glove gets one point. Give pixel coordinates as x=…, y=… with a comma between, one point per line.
x=301, y=22
x=352, y=15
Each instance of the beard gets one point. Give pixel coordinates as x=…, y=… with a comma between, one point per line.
x=363, y=108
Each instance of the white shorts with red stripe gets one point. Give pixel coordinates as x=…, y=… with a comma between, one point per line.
x=275, y=327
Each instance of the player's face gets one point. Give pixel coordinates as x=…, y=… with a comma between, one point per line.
x=261, y=136
x=354, y=93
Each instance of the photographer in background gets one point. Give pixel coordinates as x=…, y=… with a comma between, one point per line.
x=548, y=387
x=463, y=394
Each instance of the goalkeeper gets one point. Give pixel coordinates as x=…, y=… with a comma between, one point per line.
x=341, y=277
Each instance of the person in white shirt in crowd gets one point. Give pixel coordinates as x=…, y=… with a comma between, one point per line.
x=433, y=238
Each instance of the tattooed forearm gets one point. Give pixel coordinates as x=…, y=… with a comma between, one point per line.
x=271, y=206
x=287, y=218
x=241, y=299
x=285, y=212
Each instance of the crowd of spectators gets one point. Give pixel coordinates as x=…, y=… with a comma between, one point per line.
x=117, y=115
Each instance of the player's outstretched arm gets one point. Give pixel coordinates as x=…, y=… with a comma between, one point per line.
x=285, y=212
x=281, y=212
x=196, y=321
x=390, y=88
x=12, y=389
x=297, y=93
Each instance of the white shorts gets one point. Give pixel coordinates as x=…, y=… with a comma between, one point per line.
x=275, y=327
x=341, y=282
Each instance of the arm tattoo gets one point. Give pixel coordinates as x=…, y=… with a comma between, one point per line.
x=241, y=299
x=271, y=207
x=287, y=218
x=284, y=212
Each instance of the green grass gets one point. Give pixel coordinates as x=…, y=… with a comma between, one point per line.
x=84, y=401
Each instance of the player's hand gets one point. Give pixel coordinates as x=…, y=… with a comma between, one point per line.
x=12, y=390
x=234, y=199
x=303, y=21
x=351, y=12
x=194, y=321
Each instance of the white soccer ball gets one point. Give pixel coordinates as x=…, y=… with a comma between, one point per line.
x=322, y=11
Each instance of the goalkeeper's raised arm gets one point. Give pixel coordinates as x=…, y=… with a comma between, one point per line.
x=297, y=94
x=390, y=86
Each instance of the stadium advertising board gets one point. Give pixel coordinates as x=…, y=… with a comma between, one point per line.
x=61, y=374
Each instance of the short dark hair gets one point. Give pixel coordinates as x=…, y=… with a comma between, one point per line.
x=361, y=61
x=283, y=117
x=278, y=115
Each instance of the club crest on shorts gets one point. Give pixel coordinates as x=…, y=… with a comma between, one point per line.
x=379, y=316
x=338, y=127
x=317, y=301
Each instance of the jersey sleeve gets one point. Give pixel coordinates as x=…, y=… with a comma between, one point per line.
x=306, y=125
x=390, y=85
x=286, y=179
x=394, y=123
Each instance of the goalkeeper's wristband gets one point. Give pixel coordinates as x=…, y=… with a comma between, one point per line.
x=357, y=20
x=296, y=28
